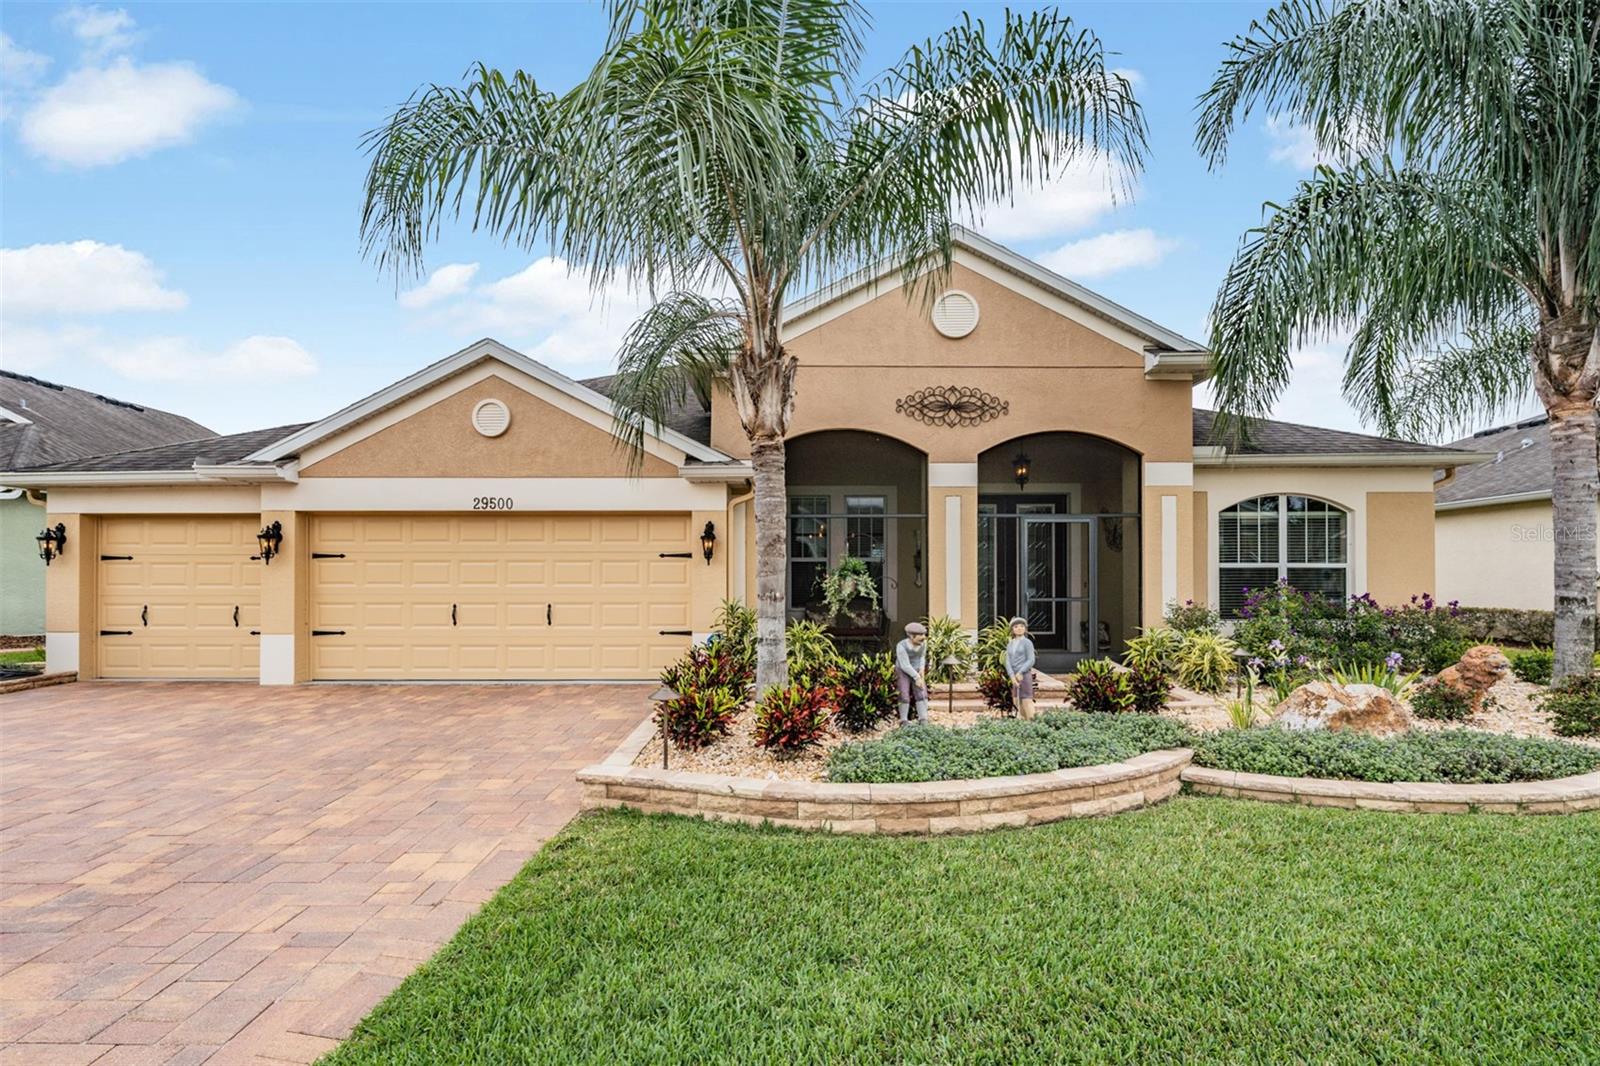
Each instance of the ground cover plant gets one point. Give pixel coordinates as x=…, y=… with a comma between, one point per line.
x=22, y=655
x=1458, y=756
x=1574, y=706
x=997, y=747
x=1444, y=703
x=1146, y=937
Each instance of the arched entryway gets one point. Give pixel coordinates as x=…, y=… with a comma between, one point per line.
x=1058, y=541
x=862, y=495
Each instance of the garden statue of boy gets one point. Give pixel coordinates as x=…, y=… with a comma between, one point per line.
x=1020, y=659
x=911, y=672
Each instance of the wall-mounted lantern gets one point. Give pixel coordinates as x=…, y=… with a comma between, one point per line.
x=269, y=541
x=708, y=541
x=52, y=542
x=1019, y=469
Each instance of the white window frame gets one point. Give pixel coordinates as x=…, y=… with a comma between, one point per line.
x=1283, y=564
x=836, y=495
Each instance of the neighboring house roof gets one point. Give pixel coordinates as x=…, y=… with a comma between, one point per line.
x=183, y=455
x=688, y=416
x=1519, y=467
x=42, y=422
x=1266, y=440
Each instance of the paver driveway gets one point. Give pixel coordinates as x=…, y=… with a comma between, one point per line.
x=227, y=873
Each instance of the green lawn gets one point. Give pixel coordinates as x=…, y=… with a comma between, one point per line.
x=1203, y=930
x=22, y=655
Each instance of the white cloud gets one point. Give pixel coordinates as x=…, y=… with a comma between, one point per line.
x=1108, y=253
x=83, y=277
x=182, y=359
x=1074, y=198
x=102, y=115
x=102, y=31
x=1134, y=77
x=449, y=280
x=18, y=66
x=1293, y=144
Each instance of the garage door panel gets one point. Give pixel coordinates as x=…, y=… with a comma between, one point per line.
x=595, y=574
x=169, y=597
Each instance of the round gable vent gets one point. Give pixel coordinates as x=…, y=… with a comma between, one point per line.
x=955, y=314
x=491, y=417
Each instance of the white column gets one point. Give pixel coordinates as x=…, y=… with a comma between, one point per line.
x=1169, y=550
x=952, y=556
x=60, y=653
x=277, y=658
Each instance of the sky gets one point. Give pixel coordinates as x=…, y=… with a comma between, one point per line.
x=180, y=193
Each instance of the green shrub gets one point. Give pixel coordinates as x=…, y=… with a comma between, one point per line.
x=1534, y=665
x=946, y=638
x=1155, y=649
x=990, y=651
x=735, y=628
x=994, y=684
x=1574, y=706
x=1148, y=688
x=812, y=655
x=791, y=718
x=1192, y=617
x=1098, y=688
x=1281, y=625
x=866, y=692
x=1459, y=756
x=1205, y=662
x=1440, y=702
x=851, y=580
x=1401, y=686
x=697, y=717
x=998, y=747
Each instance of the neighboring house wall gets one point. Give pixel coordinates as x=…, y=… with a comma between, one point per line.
x=1499, y=556
x=1391, y=545
x=21, y=569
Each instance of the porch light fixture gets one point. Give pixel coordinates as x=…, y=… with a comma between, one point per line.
x=52, y=542
x=269, y=541
x=708, y=541
x=661, y=697
x=1019, y=469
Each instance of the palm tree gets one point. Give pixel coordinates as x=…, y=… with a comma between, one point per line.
x=720, y=155
x=1456, y=231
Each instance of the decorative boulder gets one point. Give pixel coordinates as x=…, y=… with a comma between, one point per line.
x=1479, y=669
x=1358, y=708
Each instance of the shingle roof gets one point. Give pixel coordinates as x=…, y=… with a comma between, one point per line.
x=182, y=455
x=1521, y=466
x=687, y=417
x=1266, y=437
x=66, y=423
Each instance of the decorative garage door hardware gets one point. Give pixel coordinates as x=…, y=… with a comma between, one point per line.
x=452, y=614
x=116, y=632
x=549, y=615
x=327, y=555
x=674, y=555
x=327, y=632
x=236, y=616
x=952, y=406
x=144, y=615
x=675, y=632
x=115, y=558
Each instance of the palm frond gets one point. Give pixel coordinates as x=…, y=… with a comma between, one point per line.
x=1464, y=384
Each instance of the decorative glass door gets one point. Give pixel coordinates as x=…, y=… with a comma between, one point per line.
x=1057, y=580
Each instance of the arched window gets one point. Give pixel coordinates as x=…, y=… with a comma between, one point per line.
x=1297, y=539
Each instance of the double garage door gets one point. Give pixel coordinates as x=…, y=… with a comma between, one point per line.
x=406, y=597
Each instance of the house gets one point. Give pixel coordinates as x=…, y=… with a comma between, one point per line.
x=1499, y=510
x=42, y=422
x=1018, y=444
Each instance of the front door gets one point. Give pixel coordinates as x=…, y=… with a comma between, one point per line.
x=1057, y=585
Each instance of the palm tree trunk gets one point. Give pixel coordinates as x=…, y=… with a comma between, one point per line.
x=771, y=496
x=1574, y=491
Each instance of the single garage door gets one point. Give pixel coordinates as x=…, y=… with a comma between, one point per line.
x=513, y=596
x=179, y=597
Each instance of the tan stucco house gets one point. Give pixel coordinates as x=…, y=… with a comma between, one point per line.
x=1021, y=446
x=1494, y=521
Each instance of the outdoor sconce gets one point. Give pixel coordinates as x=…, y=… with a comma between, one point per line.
x=1020, y=469
x=269, y=540
x=708, y=541
x=52, y=542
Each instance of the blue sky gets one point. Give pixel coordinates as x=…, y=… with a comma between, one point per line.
x=181, y=185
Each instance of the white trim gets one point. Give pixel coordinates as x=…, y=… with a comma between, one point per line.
x=453, y=364
x=1494, y=501
x=45, y=479
x=737, y=517
x=952, y=475
x=1433, y=459
x=536, y=494
x=886, y=276
x=1169, y=550
x=1168, y=475
x=729, y=473
x=1160, y=365
x=60, y=652
x=10, y=493
x=952, y=556
x=277, y=658
x=8, y=415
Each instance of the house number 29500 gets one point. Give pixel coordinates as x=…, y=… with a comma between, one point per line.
x=492, y=503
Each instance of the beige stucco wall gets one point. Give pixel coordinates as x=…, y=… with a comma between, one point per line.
x=1391, y=519
x=69, y=597
x=439, y=441
x=1498, y=556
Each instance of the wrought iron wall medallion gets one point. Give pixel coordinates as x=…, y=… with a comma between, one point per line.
x=952, y=405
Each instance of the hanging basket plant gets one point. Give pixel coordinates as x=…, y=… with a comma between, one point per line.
x=847, y=586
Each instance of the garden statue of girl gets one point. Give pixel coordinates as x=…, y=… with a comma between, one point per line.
x=1020, y=659
x=911, y=672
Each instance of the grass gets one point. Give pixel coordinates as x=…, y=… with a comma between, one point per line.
x=1200, y=931
x=22, y=655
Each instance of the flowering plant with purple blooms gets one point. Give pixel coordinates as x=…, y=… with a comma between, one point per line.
x=1304, y=628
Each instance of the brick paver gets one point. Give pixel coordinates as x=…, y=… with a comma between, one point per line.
x=233, y=874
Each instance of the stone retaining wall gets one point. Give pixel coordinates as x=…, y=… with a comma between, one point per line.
x=22, y=684
x=1566, y=795
x=925, y=807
